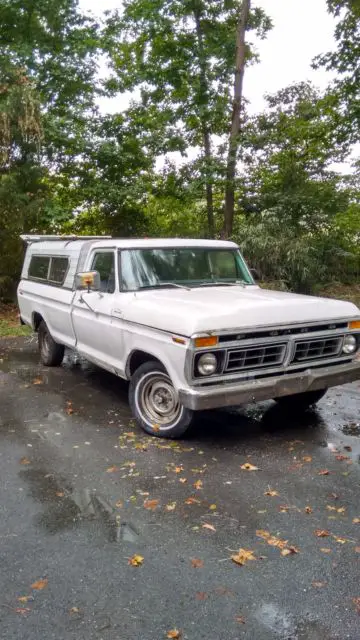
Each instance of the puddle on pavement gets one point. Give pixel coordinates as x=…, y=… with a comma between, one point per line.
x=65, y=508
x=284, y=625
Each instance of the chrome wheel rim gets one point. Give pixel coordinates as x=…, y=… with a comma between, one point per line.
x=157, y=400
x=45, y=344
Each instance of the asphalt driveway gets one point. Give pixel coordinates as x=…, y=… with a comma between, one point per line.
x=109, y=534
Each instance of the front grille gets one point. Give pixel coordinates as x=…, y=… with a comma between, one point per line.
x=317, y=348
x=267, y=355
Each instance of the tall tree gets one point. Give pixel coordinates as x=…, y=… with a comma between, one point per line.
x=47, y=97
x=240, y=58
x=179, y=56
x=345, y=62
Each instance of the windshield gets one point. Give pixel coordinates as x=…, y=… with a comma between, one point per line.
x=181, y=266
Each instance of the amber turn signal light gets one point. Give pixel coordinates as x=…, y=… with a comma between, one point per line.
x=355, y=324
x=208, y=341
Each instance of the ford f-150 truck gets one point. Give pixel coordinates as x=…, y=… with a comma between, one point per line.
x=184, y=322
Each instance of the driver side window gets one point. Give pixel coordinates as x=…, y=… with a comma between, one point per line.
x=104, y=263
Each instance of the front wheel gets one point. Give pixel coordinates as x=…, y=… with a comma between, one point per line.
x=51, y=353
x=301, y=401
x=155, y=404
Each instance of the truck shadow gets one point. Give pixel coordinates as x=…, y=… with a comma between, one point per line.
x=255, y=421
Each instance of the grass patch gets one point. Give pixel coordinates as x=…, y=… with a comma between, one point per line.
x=10, y=326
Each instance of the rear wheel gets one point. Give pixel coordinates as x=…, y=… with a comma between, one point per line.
x=301, y=401
x=51, y=353
x=155, y=404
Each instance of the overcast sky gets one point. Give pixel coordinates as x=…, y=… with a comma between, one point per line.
x=302, y=29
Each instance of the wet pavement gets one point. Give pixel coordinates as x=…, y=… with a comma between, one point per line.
x=83, y=490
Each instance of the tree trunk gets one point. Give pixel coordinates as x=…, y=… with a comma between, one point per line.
x=235, y=121
x=206, y=133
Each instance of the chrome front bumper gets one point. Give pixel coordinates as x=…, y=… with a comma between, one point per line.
x=227, y=395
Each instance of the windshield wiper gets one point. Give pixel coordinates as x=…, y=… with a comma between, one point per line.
x=214, y=283
x=165, y=285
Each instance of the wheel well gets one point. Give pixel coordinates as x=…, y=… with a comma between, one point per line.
x=138, y=358
x=37, y=318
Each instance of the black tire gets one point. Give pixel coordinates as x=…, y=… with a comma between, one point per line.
x=51, y=353
x=151, y=383
x=301, y=401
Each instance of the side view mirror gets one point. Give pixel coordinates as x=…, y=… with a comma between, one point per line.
x=255, y=274
x=89, y=280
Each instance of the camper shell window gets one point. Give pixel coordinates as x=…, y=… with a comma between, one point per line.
x=51, y=269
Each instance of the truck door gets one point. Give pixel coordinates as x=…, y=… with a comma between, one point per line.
x=99, y=334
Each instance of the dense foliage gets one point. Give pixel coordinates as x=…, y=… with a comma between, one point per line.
x=270, y=181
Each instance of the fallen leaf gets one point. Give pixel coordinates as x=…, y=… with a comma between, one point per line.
x=209, y=526
x=273, y=541
x=334, y=495
x=192, y=501
x=179, y=469
x=348, y=448
x=342, y=457
x=136, y=560
x=340, y=539
x=283, y=508
x=201, y=595
x=271, y=492
x=38, y=381
x=183, y=480
x=196, y=563
x=151, y=504
x=307, y=458
x=325, y=550
x=174, y=634
x=198, y=484
x=22, y=611
x=140, y=446
x=112, y=469
x=321, y=533
x=119, y=504
x=59, y=494
x=329, y=508
x=156, y=428
x=261, y=533
x=24, y=598
x=171, y=506
x=308, y=509
x=24, y=460
x=242, y=557
x=74, y=610
x=317, y=584
x=357, y=549
x=323, y=472
x=130, y=434
x=223, y=591
x=40, y=584
x=248, y=467
x=289, y=551
x=240, y=619
x=69, y=411
x=356, y=602
x=356, y=520
x=212, y=507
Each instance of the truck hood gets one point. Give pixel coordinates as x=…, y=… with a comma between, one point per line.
x=215, y=309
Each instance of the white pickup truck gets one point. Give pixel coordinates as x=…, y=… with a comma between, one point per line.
x=185, y=323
